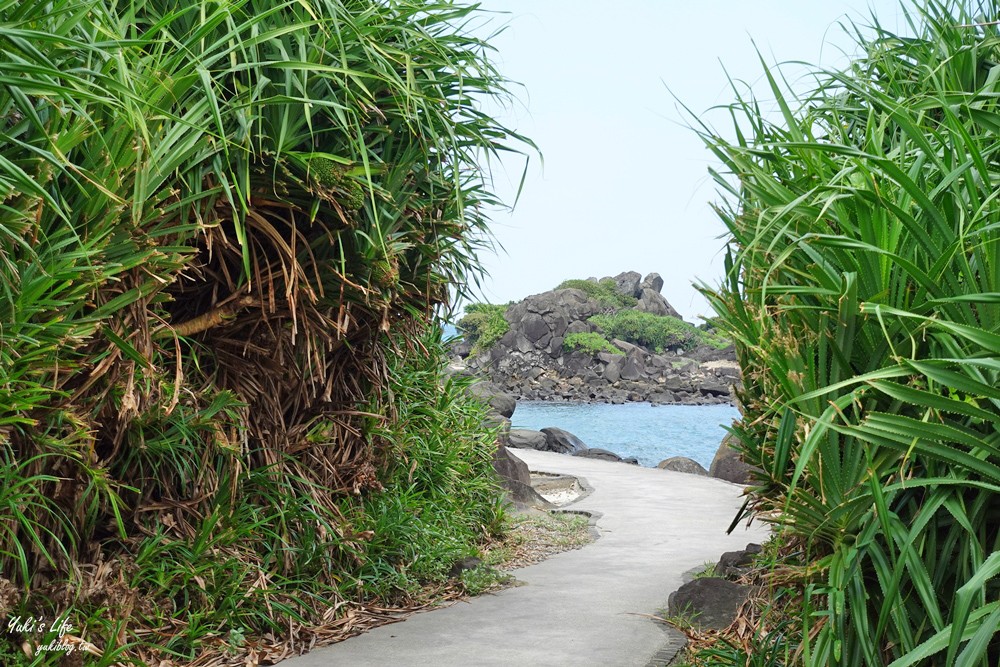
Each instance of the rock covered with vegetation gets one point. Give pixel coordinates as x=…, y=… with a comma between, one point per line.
x=612, y=340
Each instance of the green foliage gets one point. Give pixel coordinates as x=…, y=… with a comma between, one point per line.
x=483, y=325
x=657, y=332
x=441, y=497
x=862, y=286
x=603, y=291
x=212, y=213
x=590, y=342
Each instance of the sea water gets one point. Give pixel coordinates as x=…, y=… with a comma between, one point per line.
x=649, y=433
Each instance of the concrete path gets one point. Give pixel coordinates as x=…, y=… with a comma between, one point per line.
x=583, y=607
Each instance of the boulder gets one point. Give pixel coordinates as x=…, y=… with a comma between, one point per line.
x=460, y=348
x=613, y=371
x=522, y=438
x=562, y=442
x=632, y=369
x=653, y=281
x=494, y=396
x=681, y=464
x=728, y=465
x=734, y=563
x=653, y=302
x=598, y=453
x=534, y=327
x=516, y=480
x=710, y=603
x=627, y=283
x=713, y=387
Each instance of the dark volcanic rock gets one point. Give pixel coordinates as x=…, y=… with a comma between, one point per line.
x=516, y=480
x=681, y=464
x=728, y=465
x=522, y=438
x=653, y=281
x=494, y=396
x=710, y=603
x=653, y=302
x=598, y=453
x=562, y=442
x=627, y=283
x=530, y=361
x=534, y=327
x=734, y=563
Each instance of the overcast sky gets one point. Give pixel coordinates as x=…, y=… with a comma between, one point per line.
x=624, y=184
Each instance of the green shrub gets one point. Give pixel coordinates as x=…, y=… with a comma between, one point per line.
x=863, y=274
x=441, y=497
x=591, y=343
x=603, y=291
x=483, y=325
x=657, y=332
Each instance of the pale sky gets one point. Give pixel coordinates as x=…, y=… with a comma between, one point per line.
x=625, y=184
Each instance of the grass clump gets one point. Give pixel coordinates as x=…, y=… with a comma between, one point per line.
x=532, y=537
x=657, y=332
x=603, y=291
x=483, y=325
x=590, y=342
x=863, y=269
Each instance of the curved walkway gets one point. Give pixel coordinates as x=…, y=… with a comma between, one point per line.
x=583, y=607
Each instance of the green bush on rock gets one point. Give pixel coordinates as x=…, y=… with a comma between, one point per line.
x=603, y=291
x=483, y=325
x=589, y=342
x=657, y=332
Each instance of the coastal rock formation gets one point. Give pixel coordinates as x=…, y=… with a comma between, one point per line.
x=532, y=362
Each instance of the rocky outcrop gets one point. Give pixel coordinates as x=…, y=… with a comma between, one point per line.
x=531, y=362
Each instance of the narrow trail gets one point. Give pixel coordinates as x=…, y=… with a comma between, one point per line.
x=583, y=607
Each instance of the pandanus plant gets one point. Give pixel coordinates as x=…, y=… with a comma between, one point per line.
x=213, y=213
x=863, y=292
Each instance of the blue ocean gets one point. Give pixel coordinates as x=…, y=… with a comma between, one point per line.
x=649, y=433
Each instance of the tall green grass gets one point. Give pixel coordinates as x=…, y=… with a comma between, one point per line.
x=863, y=294
x=217, y=219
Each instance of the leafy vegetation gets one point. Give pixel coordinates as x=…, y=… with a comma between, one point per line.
x=440, y=497
x=863, y=293
x=589, y=342
x=657, y=332
x=603, y=291
x=213, y=216
x=483, y=325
